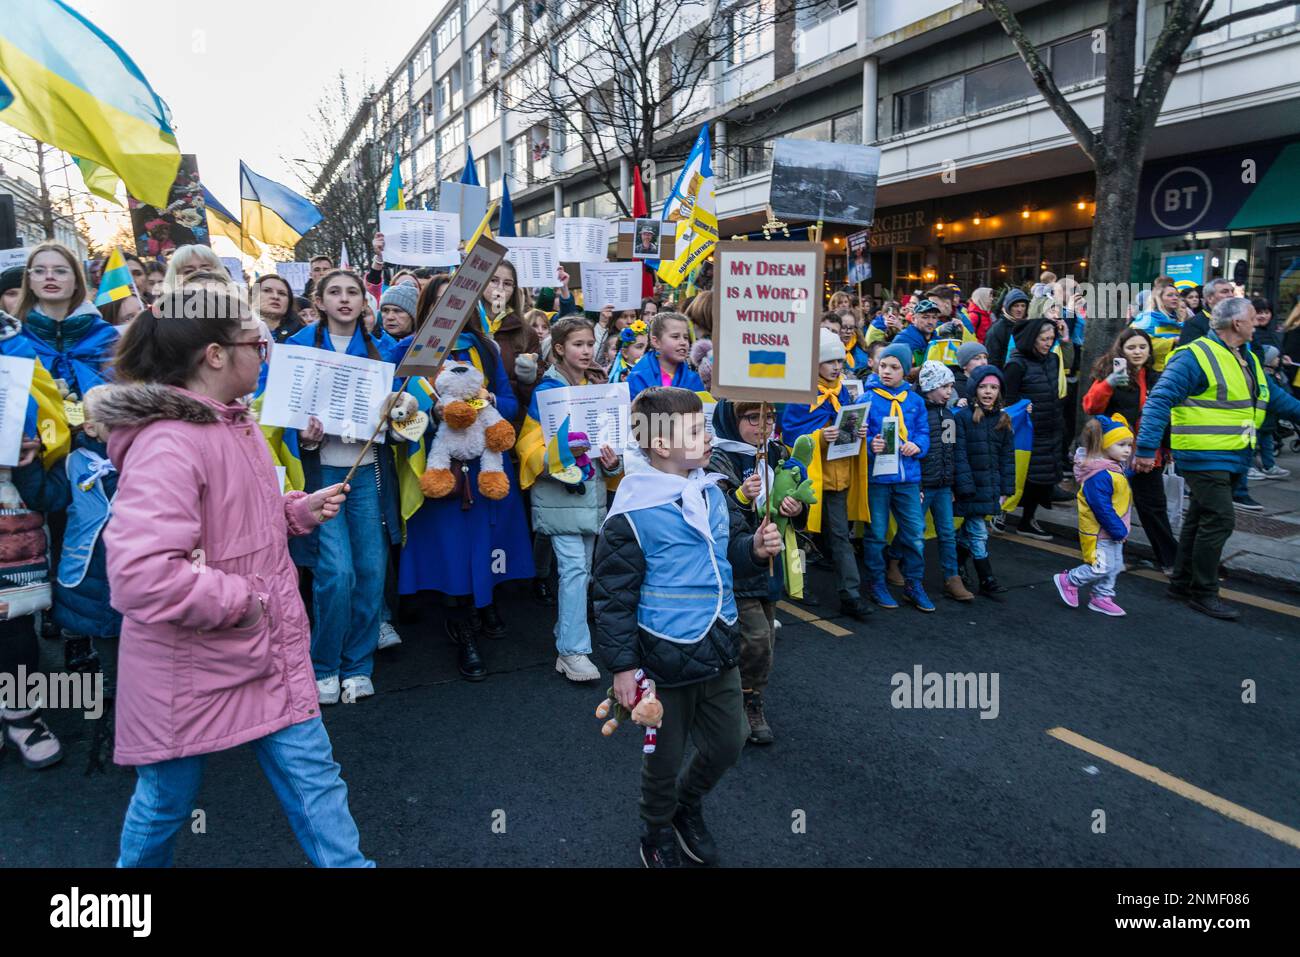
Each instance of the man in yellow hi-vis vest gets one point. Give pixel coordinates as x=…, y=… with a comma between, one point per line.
x=1212, y=396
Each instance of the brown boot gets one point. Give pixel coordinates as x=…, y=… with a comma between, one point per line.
x=954, y=587
x=759, y=730
x=893, y=573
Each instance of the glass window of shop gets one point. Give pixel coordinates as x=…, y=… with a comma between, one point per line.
x=1017, y=259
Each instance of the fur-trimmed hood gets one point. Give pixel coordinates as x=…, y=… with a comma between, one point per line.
x=125, y=410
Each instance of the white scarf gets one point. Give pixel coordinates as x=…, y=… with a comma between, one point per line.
x=644, y=486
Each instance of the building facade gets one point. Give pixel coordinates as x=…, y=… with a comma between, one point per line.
x=979, y=182
x=28, y=226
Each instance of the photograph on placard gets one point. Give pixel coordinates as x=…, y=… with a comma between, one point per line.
x=645, y=240
x=848, y=443
x=830, y=182
x=859, y=246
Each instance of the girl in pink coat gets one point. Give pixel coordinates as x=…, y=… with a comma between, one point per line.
x=215, y=647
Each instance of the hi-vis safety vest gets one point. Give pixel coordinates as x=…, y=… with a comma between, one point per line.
x=1225, y=417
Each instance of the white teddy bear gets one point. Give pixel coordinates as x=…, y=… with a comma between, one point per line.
x=471, y=429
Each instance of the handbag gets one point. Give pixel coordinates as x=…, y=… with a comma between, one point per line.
x=1174, y=485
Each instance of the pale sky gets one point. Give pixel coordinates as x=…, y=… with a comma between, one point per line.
x=260, y=69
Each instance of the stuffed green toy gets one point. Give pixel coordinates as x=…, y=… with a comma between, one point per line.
x=790, y=480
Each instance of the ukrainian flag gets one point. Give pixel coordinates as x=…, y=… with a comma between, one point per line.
x=766, y=364
x=1023, y=430
x=68, y=84
x=116, y=282
x=944, y=351
x=221, y=222
x=395, y=198
x=272, y=213
x=99, y=180
x=559, y=457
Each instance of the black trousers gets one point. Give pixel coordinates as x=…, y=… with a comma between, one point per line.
x=1152, y=508
x=1036, y=494
x=1207, y=525
x=18, y=645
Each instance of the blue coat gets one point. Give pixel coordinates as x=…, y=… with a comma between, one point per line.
x=647, y=373
x=82, y=364
x=915, y=418
x=469, y=551
x=1183, y=378
x=914, y=339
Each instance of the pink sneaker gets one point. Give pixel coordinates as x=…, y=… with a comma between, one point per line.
x=1106, y=606
x=1069, y=594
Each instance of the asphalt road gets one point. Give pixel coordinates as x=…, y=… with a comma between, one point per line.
x=514, y=771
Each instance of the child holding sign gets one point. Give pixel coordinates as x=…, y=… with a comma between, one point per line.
x=665, y=363
x=351, y=552
x=568, y=500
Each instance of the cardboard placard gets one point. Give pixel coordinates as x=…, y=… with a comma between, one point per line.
x=767, y=332
x=182, y=222
x=627, y=239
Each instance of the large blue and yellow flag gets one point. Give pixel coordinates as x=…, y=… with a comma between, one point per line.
x=221, y=222
x=395, y=198
x=67, y=83
x=693, y=207
x=99, y=180
x=272, y=213
x=1023, y=430
x=116, y=282
x=943, y=351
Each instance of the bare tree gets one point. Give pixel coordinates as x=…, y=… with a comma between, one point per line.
x=48, y=166
x=1129, y=112
x=344, y=164
x=623, y=79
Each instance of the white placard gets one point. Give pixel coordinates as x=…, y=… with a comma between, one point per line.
x=534, y=260
x=466, y=201
x=420, y=237
x=848, y=444
x=581, y=239
x=295, y=274
x=854, y=385
x=611, y=284
x=236, y=269
x=15, y=387
x=347, y=393
x=888, y=462
x=599, y=410
x=709, y=409
x=14, y=257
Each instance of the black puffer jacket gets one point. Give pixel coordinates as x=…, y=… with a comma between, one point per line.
x=939, y=467
x=619, y=569
x=1037, y=378
x=986, y=455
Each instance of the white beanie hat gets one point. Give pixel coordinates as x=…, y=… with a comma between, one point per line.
x=831, y=347
x=934, y=375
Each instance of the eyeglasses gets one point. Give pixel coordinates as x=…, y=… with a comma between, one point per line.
x=263, y=347
x=58, y=272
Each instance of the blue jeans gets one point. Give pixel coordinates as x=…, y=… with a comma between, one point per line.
x=298, y=762
x=348, y=584
x=1267, y=444
x=938, y=502
x=904, y=500
x=573, y=557
x=974, y=534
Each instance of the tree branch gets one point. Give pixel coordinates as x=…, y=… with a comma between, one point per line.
x=1043, y=78
x=1242, y=15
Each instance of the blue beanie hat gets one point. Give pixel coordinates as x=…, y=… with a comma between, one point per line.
x=405, y=296
x=900, y=352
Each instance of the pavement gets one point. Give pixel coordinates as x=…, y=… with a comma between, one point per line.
x=1116, y=743
x=1265, y=545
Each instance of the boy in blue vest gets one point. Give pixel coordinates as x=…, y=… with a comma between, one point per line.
x=664, y=604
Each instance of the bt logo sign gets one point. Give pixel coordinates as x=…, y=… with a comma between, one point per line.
x=1181, y=198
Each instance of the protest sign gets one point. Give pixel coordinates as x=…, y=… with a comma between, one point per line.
x=347, y=393
x=646, y=238
x=831, y=182
x=888, y=461
x=13, y=257
x=295, y=274
x=848, y=443
x=466, y=201
x=601, y=411
x=236, y=269
x=767, y=336
x=436, y=337
x=183, y=222
x=611, y=284
x=15, y=386
x=421, y=237
x=581, y=239
x=859, y=245
x=534, y=260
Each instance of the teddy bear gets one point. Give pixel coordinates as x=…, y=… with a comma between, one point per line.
x=647, y=711
x=471, y=429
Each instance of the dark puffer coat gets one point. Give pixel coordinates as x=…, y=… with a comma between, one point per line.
x=1037, y=378
x=939, y=467
x=986, y=455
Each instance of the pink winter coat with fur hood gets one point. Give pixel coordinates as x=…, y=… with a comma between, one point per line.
x=198, y=531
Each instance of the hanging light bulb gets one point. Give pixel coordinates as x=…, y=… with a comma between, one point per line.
x=1024, y=213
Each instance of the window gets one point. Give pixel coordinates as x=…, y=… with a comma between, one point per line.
x=421, y=61
x=491, y=60
x=451, y=136
x=447, y=31
x=1242, y=28
x=521, y=165
x=447, y=93
x=474, y=6
x=999, y=83
x=515, y=28
x=474, y=69
x=750, y=32
x=482, y=112
x=846, y=128
x=542, y=224
x=424, y=155
x=1075, y=62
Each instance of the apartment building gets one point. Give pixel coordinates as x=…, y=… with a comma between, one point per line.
x=979, y=181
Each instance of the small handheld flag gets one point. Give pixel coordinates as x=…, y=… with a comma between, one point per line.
x=560, y=461
x=395, y=198
x=116, y=283
x=272, y=213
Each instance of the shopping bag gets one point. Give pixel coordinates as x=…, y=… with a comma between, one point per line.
x=1174, y=486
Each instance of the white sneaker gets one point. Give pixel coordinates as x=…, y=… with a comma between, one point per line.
x=577, y=668
x=1276, y=472
x=327, y=690
x=776, y=627
x=1255, y=475
x=388, y=636
x=357, y=687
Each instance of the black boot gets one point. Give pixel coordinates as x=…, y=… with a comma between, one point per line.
x=79, y=654
x=543, y=592
x=659, y=847
x=493, y=626
x=693, y=837
x=963, y=556
x=989, y=586
x=470, y=661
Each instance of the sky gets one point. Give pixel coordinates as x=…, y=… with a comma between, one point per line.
x=242, y=77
